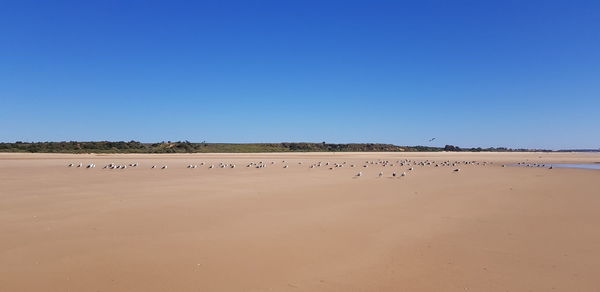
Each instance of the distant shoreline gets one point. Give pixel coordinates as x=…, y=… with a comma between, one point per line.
x=110, y=147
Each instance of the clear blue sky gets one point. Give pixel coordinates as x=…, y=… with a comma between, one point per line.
x=471, y=73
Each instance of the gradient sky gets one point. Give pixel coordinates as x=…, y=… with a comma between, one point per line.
x=471, y=73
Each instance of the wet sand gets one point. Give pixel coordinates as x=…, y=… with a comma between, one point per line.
x=485, y=228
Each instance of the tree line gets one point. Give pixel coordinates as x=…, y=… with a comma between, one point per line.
x=189, y=147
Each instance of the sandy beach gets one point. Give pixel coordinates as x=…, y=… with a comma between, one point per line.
x=484, y=228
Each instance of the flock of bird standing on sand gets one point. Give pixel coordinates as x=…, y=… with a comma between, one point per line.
x=411, y=164
x=525, y=164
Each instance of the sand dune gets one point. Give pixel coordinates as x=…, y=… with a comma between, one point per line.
x=485, y=228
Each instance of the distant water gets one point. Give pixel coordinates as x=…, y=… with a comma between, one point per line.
x=568, y=165
x=583, y=166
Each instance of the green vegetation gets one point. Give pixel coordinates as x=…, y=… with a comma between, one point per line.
x=188, y=147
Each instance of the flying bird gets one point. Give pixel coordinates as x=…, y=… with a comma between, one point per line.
x=431, y=140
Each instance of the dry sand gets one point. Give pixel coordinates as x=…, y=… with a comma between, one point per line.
x=485, y=228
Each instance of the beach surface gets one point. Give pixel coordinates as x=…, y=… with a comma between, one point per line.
x=483, y=228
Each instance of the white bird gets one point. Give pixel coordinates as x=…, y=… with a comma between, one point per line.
x=164, y=167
